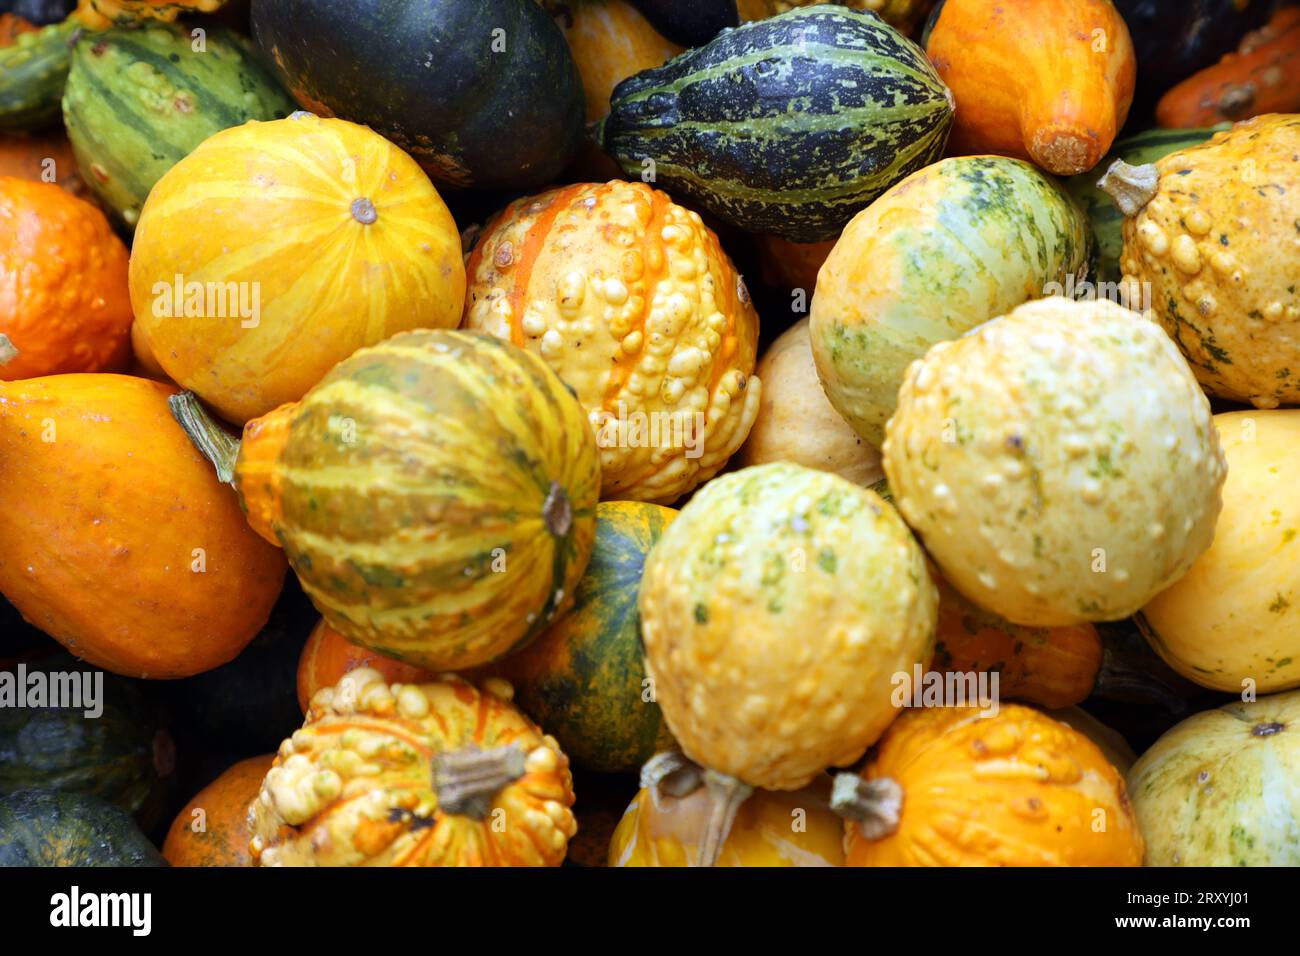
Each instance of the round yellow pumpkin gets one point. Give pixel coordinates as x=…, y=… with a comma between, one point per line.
x=276, y=250
x=630, y=298
x=1235, y=616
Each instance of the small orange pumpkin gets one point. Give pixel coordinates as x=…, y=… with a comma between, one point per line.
x=328, y=656
x=117, y=539
x=212, y=829
x=64, y=302
x=39, y=156
x=949, y=786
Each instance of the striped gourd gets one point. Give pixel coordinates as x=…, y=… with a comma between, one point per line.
x=138, y=101
x=435, y=493
x=33, y=70
x=788, y=125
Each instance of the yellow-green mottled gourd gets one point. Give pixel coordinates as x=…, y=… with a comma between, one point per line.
x=435, y=494
x=953, y=245
x=1060, y=463
x=775, y=611
x=1235, y=616
x=1223, y=787
x=1214, y=234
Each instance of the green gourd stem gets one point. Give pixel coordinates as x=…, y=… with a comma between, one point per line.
x=875, y=805
x=208, y=435
x=727, y=794
x=1130, y=187
x=466, y=781
x=671, y=774
x=7, y=350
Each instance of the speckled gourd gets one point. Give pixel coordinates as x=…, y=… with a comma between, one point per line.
x=1212, y=231
x=1059, y=463
x=775, y=611
x=630, y=298
x=1222, y=788
x=951, y=246
x=1235, y=616
x=436, y=774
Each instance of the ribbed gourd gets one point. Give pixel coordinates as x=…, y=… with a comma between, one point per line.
x=787, y=125
x=435, y=494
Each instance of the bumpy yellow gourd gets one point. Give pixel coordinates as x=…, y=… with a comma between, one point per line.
x=632, y=301
x=1060, y=462
x=1235, y=616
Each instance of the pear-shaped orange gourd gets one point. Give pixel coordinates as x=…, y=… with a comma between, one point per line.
x=116, y=538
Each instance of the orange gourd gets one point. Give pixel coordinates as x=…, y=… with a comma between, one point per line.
x=116, y=538
x=1262, y=76
x=212, y=829
x=792, y=265
x=1047, y=80
x=99, y=14
x=40, y=156
x=950, y=787
x=64, y=303
x=328, y=656
x=631, y=300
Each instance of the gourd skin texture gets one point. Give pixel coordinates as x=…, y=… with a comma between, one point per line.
x=1219, y=254
x=1014, y=789
x=103, y=13
x=48, y=828
x=64, y=302
x=456, y=522
x=101, y=553
x=583, y=680
x=224, y=837
x=796, y=422
x=328, y=656
x=1059, y=463
x=26, y=158
x=631, y=300
x=1222, y=788
x=775, y=611
x=762, y=835
x=353, y=787
x=953, y=245
x=1047, y=80
x=273, y=207
x=903, y=14
x=1235, y=616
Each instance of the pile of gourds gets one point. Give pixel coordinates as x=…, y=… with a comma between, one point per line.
x=770, y=433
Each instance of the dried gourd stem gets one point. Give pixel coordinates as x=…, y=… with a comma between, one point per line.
x=7, y=351
x=671, y=774
x=875, y=805
x=727, y=794
x=208, y=435
x=466, y=781
x=1130, y=187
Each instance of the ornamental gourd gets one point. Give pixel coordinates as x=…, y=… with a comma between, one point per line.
x=953, y=245
x=775, y=611
x=39, y=156
x=1047, y=80
x=1059, y=462
x=954, y=786
x=905, y=15
x=301, y=237
x=435, y=774
x=630, y=298
x=127, y=549
x=212, y=829
x=435, y=494
x=50, y=828
x=1210, y=231
x=328, y=656
x=1235, y=616
x=1219, y=789
x=103, y=13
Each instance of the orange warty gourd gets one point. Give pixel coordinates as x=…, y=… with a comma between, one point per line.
x=328, y=656
x=219, y=836
x=434, y=774
x=949, y=787
x=99, y=14
x=1047, y=80
x=116, y=538
x=283, y=247
x=630, y=298
x=63, y=295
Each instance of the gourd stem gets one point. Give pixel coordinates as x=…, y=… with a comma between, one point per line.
x=875, y=805
x=672, y=774
x=468, y=780
x=557, y=511
x=208, y=435
x=7, y=350
x=1130, y=187
x=727, y=794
